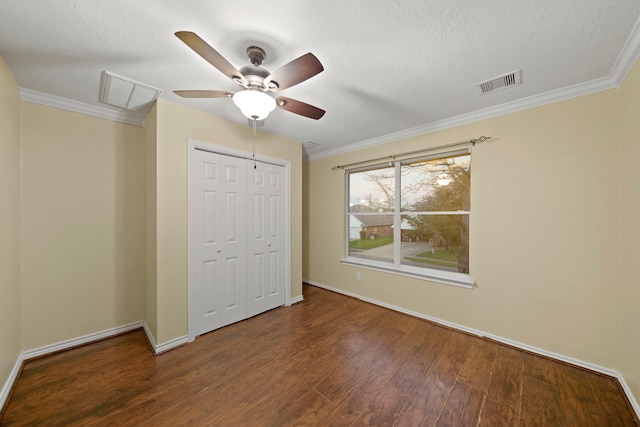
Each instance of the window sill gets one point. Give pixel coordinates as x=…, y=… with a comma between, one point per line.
x=445, y=277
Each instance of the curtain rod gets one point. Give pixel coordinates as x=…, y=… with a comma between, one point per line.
x=473, y=142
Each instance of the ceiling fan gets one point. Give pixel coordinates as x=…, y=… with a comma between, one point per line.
x=254, y=100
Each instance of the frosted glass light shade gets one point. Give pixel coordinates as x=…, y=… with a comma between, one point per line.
x=255, y=105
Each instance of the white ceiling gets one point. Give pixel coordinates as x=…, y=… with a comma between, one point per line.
x=392, y=67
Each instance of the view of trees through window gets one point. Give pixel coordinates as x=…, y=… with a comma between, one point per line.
x=428, y=200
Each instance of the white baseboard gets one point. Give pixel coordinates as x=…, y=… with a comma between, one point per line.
x=165, y=346
x=86, y=339
x=542, y=352
x=8, y=384
x=295, y=300
x=629, y=394
x=59, y=346
x=74, y=342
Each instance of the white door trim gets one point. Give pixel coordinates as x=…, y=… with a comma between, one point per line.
x=194, y=144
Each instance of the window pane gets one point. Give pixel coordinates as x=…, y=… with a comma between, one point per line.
x=434, y=207
x=372, y=190
x=440, y=242
x=436, y=185
x=371, y=236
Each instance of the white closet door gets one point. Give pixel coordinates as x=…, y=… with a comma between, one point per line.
x=266, y=245
x=218, y=297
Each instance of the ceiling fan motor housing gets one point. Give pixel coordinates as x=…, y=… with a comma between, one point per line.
x=256, y=55
x=255, y=76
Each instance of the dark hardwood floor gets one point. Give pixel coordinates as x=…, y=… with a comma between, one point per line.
x=328, y=361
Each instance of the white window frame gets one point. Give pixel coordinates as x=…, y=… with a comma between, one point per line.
x=423, y=273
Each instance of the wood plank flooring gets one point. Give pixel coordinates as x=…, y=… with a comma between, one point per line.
x=328, y=361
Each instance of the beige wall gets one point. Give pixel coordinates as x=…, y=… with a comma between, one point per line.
x=175, y=125
x=9, y=222
x=545, y=240
x=151, y=222
x=630, y=211
x=82, y=227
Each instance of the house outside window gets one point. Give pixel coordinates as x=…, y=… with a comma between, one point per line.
x=412, y=217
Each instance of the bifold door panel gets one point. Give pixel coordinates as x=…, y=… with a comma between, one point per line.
x=237, y=240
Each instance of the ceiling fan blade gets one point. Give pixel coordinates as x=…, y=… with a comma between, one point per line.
x=296, y=71
x=210, y=55
x=299, y=107
x=203, y=93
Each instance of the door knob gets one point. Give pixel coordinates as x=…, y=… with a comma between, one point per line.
x=219, y=250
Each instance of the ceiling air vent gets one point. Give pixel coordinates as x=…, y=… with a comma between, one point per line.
x=122, y=92
x=501, y=82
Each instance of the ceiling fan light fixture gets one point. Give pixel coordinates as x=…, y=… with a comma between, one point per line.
x=254, y=99
x=254, y=104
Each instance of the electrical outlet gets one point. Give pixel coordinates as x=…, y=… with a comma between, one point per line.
x=357, y=275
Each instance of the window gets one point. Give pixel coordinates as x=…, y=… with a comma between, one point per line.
x=412, y=217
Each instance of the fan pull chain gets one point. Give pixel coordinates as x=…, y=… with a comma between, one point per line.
x=254, y=144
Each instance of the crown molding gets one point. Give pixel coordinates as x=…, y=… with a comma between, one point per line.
x=486, y=113
x=627, y=58
x=80, y=107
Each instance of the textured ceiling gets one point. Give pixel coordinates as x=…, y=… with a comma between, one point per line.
x=390, y=66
